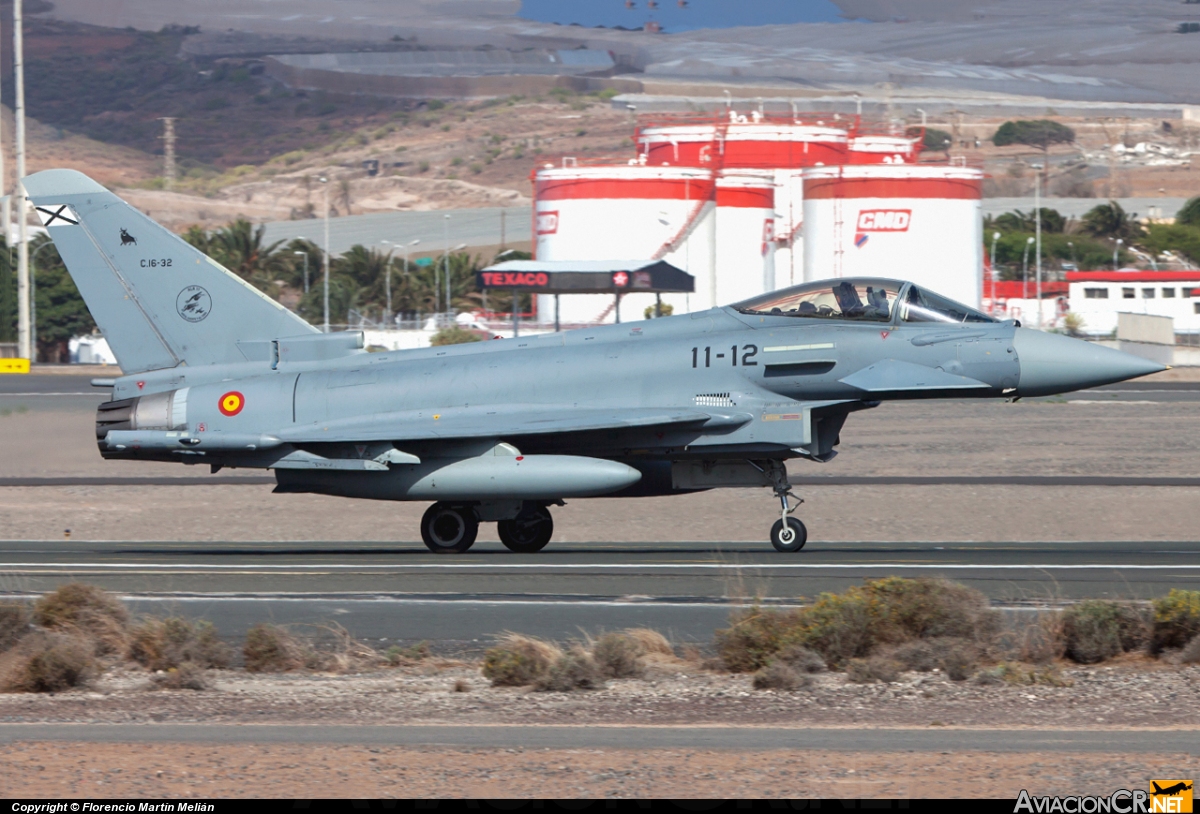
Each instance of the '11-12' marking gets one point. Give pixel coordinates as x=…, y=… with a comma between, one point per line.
x=748, y=354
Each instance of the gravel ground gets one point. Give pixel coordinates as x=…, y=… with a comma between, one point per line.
x=178, y=771
x=1134, y=692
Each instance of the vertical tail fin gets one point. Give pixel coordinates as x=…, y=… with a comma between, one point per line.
x=159, y=301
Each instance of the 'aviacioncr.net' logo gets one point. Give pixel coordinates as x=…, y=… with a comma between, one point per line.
x=1171, y=796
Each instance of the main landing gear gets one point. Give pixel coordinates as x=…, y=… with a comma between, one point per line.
x=788, y=533
x=451, y=529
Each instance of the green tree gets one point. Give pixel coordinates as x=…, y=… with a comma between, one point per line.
x=937, y=140
x=1179, y=239
x=1040, y=133
x=8, y=296
x=240, y=247
x=1110, y=220
x=1018, y=221
x=1189, y=215
x=61, y=311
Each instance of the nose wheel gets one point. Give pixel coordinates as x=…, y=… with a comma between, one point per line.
x=788, y=533
x=449, y=529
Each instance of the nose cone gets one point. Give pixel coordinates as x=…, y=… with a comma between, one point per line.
x=1052, y=363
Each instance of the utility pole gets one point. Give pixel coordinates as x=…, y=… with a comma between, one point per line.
x=24, y=335
x=1037, y=225
x=168, y=137
x=445, y=258
x=7, y=207
x=325, y=186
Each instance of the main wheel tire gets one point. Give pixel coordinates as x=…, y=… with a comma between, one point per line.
x=528, y=532
x=448, y=529
x=792, y=538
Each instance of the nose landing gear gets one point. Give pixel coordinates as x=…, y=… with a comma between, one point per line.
x=788, y=533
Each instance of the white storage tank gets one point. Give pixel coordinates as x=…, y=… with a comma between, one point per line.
x=621, y=212
x=748, y=141
x=878, y=149
x=745, y=234
x=919, y=222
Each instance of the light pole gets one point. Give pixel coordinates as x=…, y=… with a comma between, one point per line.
x=504, y=253
x=1074, y=262
x=33, y=300
x=405, y=247
x=1116, y=252
x=387, y=283
x=1025, y=270
x=995, y=237
x=305, y=256
x=459, y=247
x=1037, y=227
x=325, y=182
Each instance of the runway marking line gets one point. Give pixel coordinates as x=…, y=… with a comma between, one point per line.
x=609, y=566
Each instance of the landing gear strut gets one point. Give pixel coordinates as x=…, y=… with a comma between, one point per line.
x=447, y=529
x=788, y=533
x=529, y=531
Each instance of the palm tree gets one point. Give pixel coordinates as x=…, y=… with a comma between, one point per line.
x=1112, y=221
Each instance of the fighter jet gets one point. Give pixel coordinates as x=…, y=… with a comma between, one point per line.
x=217, y=373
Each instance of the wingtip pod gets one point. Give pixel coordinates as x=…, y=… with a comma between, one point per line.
x=59, y=182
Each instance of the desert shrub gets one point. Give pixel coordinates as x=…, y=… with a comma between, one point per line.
x=779, y=675
x=872, y=670
x=185, y=676
x=14, y=623
x=838, y=626
x=754, y=635
x=1176, y=619
x=51, y=662
x=957, y=660
x=1095, y=630
x=573, y=670
x=1191, y=652
x=454, y=335
x=651, y=641
x=517, y=661
x=904, y=609
x=271, y=649
x=1009, y=673
x=800, y=659
x=340, y=652
x=85, y=608
x=918, y=656
x=163, y=644
x=1041, y=641
x=397, y=655
x=619, y=655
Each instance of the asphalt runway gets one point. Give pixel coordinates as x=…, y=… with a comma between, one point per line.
x=395, y=592
x=1156, y=741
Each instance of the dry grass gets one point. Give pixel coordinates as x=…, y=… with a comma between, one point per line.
x=398, y=656
x=186, y=676
x=573, y=670
x=778, y=675
x=94, y=613
x=651, y=641
x=49, y=661
x=1191, y=652
x=619, y=655
x=1024, y=675
x=517, y=661
x=272, y=649
x=14, y=623
x=166, y=644
x=874, y=669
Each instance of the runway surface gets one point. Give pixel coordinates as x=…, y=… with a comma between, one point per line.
x=1160, y=741
x=403, y=592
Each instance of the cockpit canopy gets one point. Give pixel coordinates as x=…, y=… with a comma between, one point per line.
x=861, y=299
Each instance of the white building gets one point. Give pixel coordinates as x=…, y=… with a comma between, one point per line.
x=1098, y=296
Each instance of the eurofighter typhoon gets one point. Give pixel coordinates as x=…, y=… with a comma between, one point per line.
x=217, y=373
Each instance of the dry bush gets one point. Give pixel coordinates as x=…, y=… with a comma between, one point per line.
x=1041, y=641
x=517, y=660
x=398, y=656
x=873, y=669
x=573, y=670
x=779, y=675
x=918, y=656
x=1096, y=629
x=1009, y=673
x=754, y=635
x=1176, y=620
x=14, y=623
x=272, y=649
x=904, y=609
x=1191, y=652
x=50, y=661
x=87, y=609
x=345, y=654
x=801, y=659
x=652, y=641
x=957, y=659
x=185, y=676
x=461, y=685
x=164, y=644
x=619, y=655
